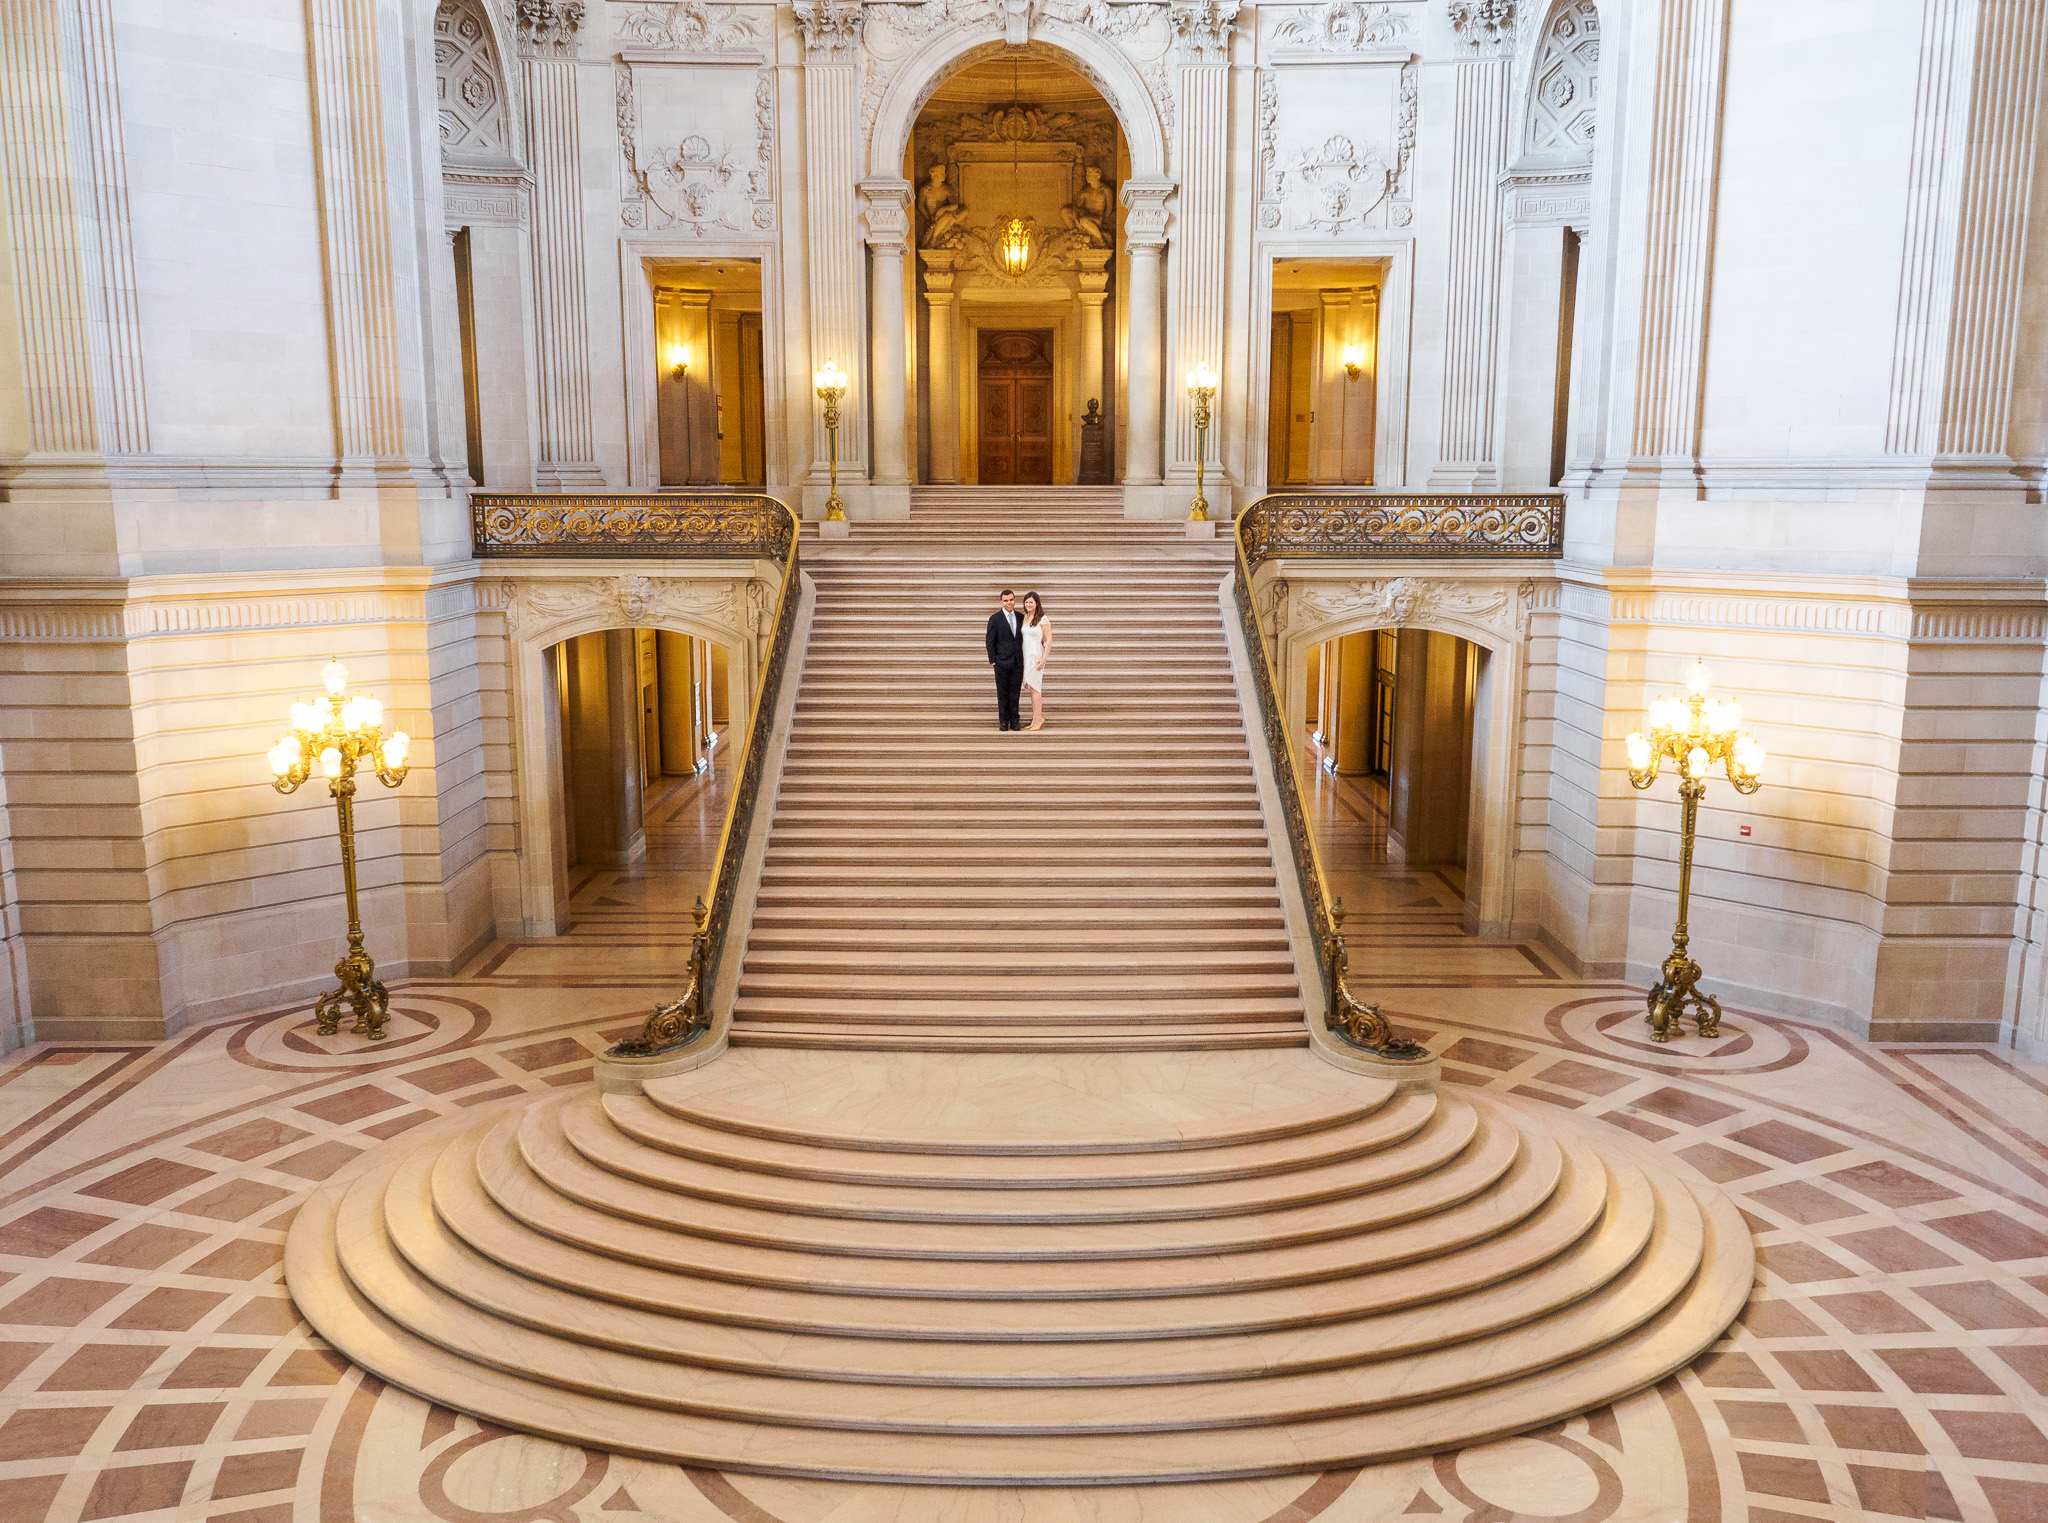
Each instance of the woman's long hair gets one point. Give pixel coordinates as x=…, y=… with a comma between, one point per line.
x=1037, y=607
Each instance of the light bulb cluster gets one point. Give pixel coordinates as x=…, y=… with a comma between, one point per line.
x=1694, y=731
x=830, y=380
x=1202, y=378
x=332, y=736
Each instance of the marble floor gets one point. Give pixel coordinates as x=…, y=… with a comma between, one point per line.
x=1892, y=1362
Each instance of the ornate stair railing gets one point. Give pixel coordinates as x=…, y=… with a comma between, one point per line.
x=1369, y=524
x=706, y=525
x=687, y=524
x=1311, y=526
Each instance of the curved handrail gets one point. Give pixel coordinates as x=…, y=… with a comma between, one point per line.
x=715, y=524
x=1358, y=1023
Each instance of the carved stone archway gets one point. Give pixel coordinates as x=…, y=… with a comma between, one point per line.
x=947, y=52
x=1305, y=605
x=544, y=605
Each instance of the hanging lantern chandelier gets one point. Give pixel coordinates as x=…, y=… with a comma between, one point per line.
x=1013, y=247
x=1013, y=240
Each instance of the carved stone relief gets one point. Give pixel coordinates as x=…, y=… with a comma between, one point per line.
x=547, y=28
x=707, y=181
x=1335, y=186
x=630, y=601
x=831, y=29
x=469, y=83
x=1335, y=182
x=1342, y=26
x=1562, y=83
x=1203, y=28
x=896, y=28
x=1061, y=144
x=689, y=26
x=1484, y=26
x=1494, y=606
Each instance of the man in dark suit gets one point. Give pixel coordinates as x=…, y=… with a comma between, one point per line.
x=1006, y=659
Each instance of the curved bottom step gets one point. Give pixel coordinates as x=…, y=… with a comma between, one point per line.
x=893, y=1276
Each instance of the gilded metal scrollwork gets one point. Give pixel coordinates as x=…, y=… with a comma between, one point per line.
x=666, y=523
x=1303, y=524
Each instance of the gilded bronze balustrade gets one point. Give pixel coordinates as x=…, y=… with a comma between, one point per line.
x=1371, y=524
x=1348, y=1017
x=666, y=523
x=708, y=524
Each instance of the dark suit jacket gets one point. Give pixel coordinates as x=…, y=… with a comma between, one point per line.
x=1004, y=648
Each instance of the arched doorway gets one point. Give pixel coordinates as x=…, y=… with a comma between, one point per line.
x=1018, y=289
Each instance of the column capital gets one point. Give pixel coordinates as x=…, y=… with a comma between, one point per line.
x=885, y=212
x=1484, y=28
x=547, y=28
x=1203, y=29
x=939, y=269
x=1145, y=226
x=831, y=31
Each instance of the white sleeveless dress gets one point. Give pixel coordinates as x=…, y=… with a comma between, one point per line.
x=1034, y=645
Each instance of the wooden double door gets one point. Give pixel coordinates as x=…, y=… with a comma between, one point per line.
x=1014, y=407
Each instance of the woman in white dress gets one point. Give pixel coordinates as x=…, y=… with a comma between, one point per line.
x=1037, y=646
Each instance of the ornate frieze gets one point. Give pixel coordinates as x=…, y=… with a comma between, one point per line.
x=1486, y=27
x=535, y=605
x=689, y=26
x=1342, y=26
x=547, y=28
x=1404, y=600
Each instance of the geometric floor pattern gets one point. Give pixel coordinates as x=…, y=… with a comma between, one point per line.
x=1891, y=1363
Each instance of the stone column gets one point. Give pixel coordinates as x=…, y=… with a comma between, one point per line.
x=831, y=36
x=1145, y=222
x=885, y=209
x=940, y=367
x=1094, y=279
x=1465, y=431
x=561, y=309
x=1203, y=30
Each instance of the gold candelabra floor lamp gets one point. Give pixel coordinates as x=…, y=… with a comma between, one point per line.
x=831, y=384
x=1694, y=732
x=333, y=736
x=1202, y=387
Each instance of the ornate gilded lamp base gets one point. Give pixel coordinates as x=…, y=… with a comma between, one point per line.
x=1675, y=995
x=361, y=992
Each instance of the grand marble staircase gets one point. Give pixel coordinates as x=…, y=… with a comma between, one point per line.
x=1018, y=1173
x=1105, y=883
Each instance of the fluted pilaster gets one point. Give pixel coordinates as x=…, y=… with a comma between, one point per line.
x=561, y=301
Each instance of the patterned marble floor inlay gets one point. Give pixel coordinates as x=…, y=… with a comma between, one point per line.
x=1892, y=1361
